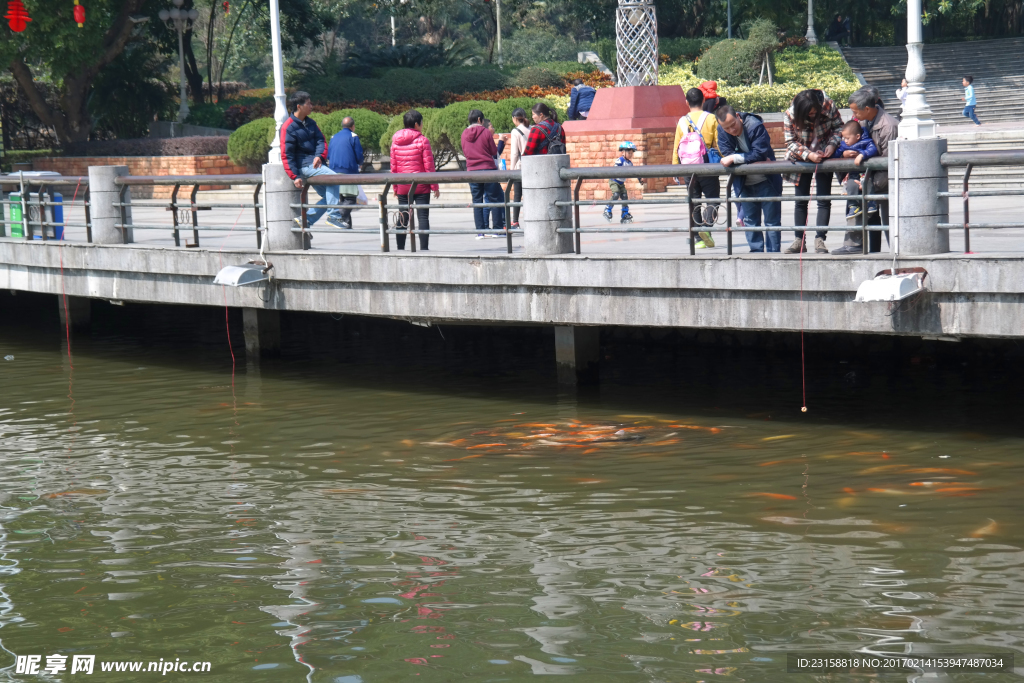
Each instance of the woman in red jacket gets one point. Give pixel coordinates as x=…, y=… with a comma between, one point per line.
x=410, y=153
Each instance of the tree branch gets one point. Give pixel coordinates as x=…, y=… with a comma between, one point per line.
x=36, y=100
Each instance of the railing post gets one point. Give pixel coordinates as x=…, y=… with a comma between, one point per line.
x=104, y=197
x=539, y=217
x=280, y=192
x=916, y=177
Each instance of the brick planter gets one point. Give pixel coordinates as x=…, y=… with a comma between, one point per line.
x=212, y=165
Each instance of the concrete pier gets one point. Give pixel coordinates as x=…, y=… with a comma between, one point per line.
x=577, y=354
x=262, y=333
x=75, y=311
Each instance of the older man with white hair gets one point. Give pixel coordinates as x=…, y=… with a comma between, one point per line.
x=883, y=129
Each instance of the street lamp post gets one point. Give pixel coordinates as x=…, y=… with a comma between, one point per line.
x=497, y=7
x=728, y=16
x=280, y=109
x=811, y=36
x=181, y=19
x=917, y=115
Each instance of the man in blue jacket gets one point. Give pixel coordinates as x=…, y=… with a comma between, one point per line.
x=303, y=153
x=581, y=97
x=345, y=155
x=743, y=139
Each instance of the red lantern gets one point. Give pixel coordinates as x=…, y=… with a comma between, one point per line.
x=17, y=18
x=226, y=7
x=79, y=14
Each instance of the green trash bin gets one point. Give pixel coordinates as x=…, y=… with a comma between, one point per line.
x=16, y=224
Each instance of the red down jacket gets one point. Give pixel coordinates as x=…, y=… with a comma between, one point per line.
x=410, y=153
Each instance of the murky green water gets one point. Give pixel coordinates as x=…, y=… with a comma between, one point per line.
x=335, y=522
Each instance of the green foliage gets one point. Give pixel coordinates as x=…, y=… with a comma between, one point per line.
x=730, y=60
x=605, y=49
x=501, y=113
x=810, y=64
x=130, y=92
x=250, y=144
x=565, y=68
x=207, y=114
x=369, y=126
x=533, y=75
x=446, y=129
x=531, y=45
x=451, y=53
x=683, y=49
x=471, y=80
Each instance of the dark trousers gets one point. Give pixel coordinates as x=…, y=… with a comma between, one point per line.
x=517, y=196
x=346, y=214
x=708, y=186
x=488, y=193
x=855, y=238
x=422, y=219
x=822, y=186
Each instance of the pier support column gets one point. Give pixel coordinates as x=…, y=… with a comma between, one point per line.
x=78, y=312
x=104, y=196
x=540, y=218
x=280, y=193
x=577, y=352
x=262, y=329
x=916, y=176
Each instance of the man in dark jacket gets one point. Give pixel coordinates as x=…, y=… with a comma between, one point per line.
x=742, y=139
x=345, y=155
x=303, y=153
x=839, y=29
x=581, y=97
x=479, y=148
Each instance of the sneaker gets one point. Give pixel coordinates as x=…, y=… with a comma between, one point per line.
x=849, y=250
x=699, y=244
x=797, y=246
x=819, y=245
x=872, y=207
x=515, y=226
x=480, y=236
x=708, y=240
x=854, y=212
x=337, y=223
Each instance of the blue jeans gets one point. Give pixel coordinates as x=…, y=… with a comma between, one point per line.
x=969, y=113
x=488, y=193
x=328, y=194
x=751, y=214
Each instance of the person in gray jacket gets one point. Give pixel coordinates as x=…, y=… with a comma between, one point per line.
x=883, y=129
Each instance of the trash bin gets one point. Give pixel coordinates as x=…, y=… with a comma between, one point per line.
x=52, y=214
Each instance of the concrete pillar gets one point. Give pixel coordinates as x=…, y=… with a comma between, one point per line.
x=104, y=196
x=280, y=192
x=577, y=352
x=76, y=309
x=539, y=217
x=915, y=179
x=262, y=332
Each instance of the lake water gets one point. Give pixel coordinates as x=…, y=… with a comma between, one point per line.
x=383, y=506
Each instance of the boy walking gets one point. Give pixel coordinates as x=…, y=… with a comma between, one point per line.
x=618, y=185
x=970, y=101
x=857, y=145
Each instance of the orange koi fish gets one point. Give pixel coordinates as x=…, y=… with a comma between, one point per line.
x=776, y=496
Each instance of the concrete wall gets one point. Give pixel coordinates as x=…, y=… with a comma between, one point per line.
x=968, y=295
x=209, y=164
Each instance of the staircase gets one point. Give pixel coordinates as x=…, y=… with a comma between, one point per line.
x=995, y=64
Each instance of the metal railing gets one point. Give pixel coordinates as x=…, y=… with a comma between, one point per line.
x=579, y=175
x=405, y=218
x=185, y=215
x=34, y=211
x=970, y=160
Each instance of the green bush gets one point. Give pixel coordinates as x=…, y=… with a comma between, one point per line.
x=565, y=68
x=460, y=81
x=249, y=145
x=730, y=60
x=807, y=65
x=207, y=114
x=446, y=128
x=532, y=45
x=532, y=75
x=683, y=49
x=439, y=145
x=369, y=126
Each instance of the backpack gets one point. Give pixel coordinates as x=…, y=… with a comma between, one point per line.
x=692, y=149
x=554, y=145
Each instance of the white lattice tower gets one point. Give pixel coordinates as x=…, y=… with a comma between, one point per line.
x=636, y=42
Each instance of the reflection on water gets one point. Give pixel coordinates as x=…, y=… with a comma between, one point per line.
x=348, y=517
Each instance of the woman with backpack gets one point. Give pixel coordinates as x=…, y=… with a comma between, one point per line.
x=697, y=143
x=520, y=134
x=547, y=136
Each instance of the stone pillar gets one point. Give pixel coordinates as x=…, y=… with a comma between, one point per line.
x=915, y=178
x=76, y=309
x=104, y=196
x=542, y=187
x=280, y=191
x=262, y=333
x=577, y=352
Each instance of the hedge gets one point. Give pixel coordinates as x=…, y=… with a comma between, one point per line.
x=368, y=125
x=249, y=145
x=150, y=147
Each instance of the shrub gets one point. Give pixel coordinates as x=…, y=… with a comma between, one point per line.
x=446, y=128
x=809, y=65
x=567, y=69
x=533, y=75
x=469, y=80
x=683, y=49
x=207, y=114
x=150, y=147
x=729, y=60
x=249, y=144
x=443, y=152
x=532, y=45
x=368, y=126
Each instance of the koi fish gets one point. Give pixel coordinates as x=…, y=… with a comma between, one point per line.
x=776, y=496
x=988, y=530
x=76, y=492
x=779, y=437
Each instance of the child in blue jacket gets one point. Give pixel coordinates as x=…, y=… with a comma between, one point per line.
x=857, y=144
x=618, y=185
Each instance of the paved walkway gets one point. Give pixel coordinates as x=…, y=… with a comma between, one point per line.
x=238, y=233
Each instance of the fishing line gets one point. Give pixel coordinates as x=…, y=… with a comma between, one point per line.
x=224, y=289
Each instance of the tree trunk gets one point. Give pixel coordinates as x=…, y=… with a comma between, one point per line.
x=192, y=73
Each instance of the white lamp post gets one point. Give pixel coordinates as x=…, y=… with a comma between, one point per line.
x=812, y=37
x=917, y=115
x=181, y=19
x=280, y=108
x=497, y=7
